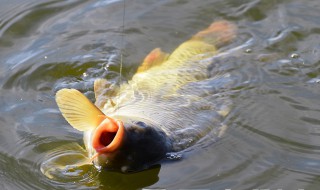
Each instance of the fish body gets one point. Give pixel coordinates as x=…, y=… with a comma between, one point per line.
x=161, y=109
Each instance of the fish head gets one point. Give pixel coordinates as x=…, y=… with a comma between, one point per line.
x=113, y=143
x=129, y=145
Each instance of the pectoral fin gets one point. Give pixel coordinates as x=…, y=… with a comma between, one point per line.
x=155, y=57
x=78, y=110
x=104, y=91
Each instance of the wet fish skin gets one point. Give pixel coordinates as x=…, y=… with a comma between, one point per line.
x=134, y=125
x=142, y=146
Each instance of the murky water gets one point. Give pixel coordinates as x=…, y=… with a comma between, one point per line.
x=272, y=140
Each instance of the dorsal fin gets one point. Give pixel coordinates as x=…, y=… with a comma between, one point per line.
x=78, y=110
x=155, y=57
x=205, y=42
x=218, y=33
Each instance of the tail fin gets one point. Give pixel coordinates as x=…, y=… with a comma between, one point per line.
x=218, y=33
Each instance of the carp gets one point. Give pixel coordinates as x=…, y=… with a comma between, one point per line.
x=134, y=125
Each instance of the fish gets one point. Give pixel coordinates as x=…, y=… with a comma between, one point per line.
x=160, y=110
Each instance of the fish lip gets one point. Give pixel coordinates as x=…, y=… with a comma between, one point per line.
x=108, y=125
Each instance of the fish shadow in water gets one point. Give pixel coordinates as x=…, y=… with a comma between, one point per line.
x=137, y=180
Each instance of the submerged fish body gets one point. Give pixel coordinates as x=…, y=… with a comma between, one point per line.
x=161, y=109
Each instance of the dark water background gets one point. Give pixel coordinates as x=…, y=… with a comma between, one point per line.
x=273, y=139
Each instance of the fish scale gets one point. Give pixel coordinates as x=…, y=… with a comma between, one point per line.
x=167, y=106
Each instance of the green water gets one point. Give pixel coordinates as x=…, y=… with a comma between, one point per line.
x=272, y=78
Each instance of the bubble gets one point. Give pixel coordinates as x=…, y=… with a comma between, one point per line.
x=314, y=81
x=248, y=50
x=294, y=55
x=173, y=156
x=124, y=168
x=106, y=67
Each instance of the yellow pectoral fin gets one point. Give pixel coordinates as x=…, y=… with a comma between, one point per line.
x=78, y=110
x=104, y=91
x=99, y=86
x=155, y=57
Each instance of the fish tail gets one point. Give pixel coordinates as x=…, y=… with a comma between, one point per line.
x=219, y=33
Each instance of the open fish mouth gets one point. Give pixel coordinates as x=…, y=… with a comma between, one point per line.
x=141, y=139
x=108, y=136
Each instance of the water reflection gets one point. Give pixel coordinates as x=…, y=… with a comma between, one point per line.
x=68, y=165
x=112, y=180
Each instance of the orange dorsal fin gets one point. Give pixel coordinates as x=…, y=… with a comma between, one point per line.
x=78, y=110
x=155, y=57
x=218, y=33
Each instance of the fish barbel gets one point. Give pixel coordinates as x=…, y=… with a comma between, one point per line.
x=134, y=125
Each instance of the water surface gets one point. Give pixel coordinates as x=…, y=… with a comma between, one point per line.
x=273, y=80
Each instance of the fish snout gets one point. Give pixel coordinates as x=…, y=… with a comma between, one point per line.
x=108, y=136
